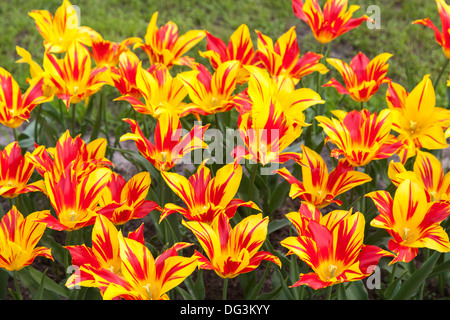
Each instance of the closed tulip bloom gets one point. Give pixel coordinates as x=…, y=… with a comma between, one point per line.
x=164, y=45
x=412, y=221
x=15, y=172
x=361, y=136
x=335, y=251
x=362, y=77
x=334, y=20
x=319, y=187
x=205, y=197
x=442, y=36
x=19, y=237
x=232, y=251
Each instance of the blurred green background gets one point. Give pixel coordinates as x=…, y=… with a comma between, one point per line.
x=414, y=48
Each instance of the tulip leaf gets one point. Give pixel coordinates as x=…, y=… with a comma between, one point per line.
x=410, y=287
x=278, y=197
x=3, y=283
x=32, y=279
x=356, y=291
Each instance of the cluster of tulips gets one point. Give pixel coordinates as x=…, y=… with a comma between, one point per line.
x=273, y=97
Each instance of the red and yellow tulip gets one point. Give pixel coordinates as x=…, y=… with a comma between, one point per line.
x=19, y=237
x=334, y=250
x=416, y=119
x=161, y=92
x=232, y=251
x=283, y=58
x=72, y=76
x=169, y=147
x=15, y=107
x=274, y=117
x=361, y=136
x=107, y=53
x=412, y=221
x=334, y=20
x=442, y=38
x=104, y=254
x=124, y=75
x=362, y=77
x=122, y=201
x=427, y=172
x=318, y=187
x=142, y=276
x=70, y=152
x=211, y=93
x=165, y=46
x=205, y=197
x=61, y=30
x=15, y=172
x=74, y=197
x=240, y=48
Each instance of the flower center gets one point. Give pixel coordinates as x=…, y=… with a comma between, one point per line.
x=412, y=126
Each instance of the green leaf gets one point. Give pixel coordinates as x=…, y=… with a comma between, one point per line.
x=40, y=290
x=254, y=293
x=32, y=279
x=3, y=283
x=356, y=291
x=278, y=197
x=410, y=287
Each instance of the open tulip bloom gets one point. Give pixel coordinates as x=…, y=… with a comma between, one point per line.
x=140, y=275
x=205, y=197
x=427, y=172
x=442, y=37
x=19, y=237
x=164, y=45
x=416, y=119
x=361, y=136
x=412, y=220
x=232, y=251
x=329, y=23
x=239, y=48
x=170, y=147
x=318, y=187
x=334, y=250
x=362, y=77
x=15, y=172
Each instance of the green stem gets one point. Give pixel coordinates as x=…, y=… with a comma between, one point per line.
x=16, y=134
x=329, y=291
x=36, y=123
x=16, y=285
x=252, y=180
x=73, y=118
x=225, y=288
x=441, y=72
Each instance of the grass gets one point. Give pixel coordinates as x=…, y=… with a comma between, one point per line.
x=415, y=50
